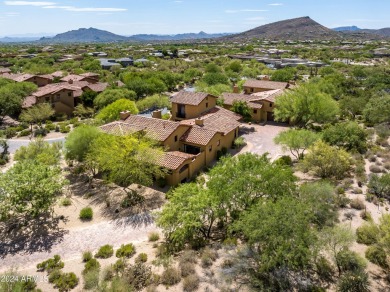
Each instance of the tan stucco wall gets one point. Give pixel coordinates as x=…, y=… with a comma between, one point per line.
x=170, y=143
x=194, y=111
x=250, y=90
x=63, y=105
x=39, y=81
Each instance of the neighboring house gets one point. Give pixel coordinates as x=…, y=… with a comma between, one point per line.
x=89, y=77
x=261, y=103
x=254, y=86
x=189, y=105
x=108, y=64
x=39, y=80
x=63, y=96
x=191, y=144
x=125, y=62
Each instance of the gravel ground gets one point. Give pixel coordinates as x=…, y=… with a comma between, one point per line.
x=76, y=240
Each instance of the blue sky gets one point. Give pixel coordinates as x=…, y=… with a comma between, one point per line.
x=127, y=17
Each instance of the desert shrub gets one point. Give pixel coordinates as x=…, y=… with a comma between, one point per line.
x=119, y=265
x=41, y=132
x=380, y=185
x=141, y=258
x=367, y=234
x=87, y=256
x=154, y=236
x=284, y=160
x=354, y=282
x=10, y=132
x=375, y=169
x=372, y=158
x=387, y=165
x=92, y=264
x=51, y=264
x=66, y=282
x=54, y=275
x=366, y=216
x=189, y=256
x=191, y=283
x=208, y=257
x=65, y=202
x=119, y=284
x=108, y=273
x=86, y=213
x=170, y=276
x=125, y=251
x=24, y=133
x=186, y=268
x=377, y=255
x=105, y=252
x=239, y=142
x=139, y=275
x=91, y=279
x=357, y=204
x=324, y=269
x=50, y=127
x=350, y=261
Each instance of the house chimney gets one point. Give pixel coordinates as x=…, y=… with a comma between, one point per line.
x=236, y=89
x=70, y=81
x=157, y=114
x=124, y=115
x=265, y=77
x=199, y=122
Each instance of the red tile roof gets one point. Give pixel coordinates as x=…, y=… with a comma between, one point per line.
x=97, y=87
x=270, y=95
x=230, y=98
x=29, y=101
x=190, y=98
x=156, y=129
x=174, y=159
x=121, y=128
x=198, y=135
x=265, y=84
x=53, y=88
x=72, y=77
x=4, y=70
x=217, y=119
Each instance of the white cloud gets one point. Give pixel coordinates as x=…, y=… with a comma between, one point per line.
x=245, y=10
x=87, y=9
x=27, y=3
x=275, y=4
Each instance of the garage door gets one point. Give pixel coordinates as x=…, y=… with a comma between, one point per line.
x=270, y=116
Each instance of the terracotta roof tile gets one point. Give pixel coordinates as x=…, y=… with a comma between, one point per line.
x=265, y=84
x=97, y=87
x=174, y=159
x=53, y=88
x=72, y=77
x=4, y=70
x=190, y=98
x=230, y=98
x=121, y=128
x=198, y=135
x=270, y=95
x=29, y=101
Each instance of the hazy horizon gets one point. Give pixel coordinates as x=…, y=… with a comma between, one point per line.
x=47, y=18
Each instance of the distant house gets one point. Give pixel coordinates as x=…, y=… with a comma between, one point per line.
x=189, y=105
x=39, y=80
x=88, y=77
x=4, y=71
x=125, y=62
x=108, y=64
x=191, y=144
x=261, y=103
x=253, y=86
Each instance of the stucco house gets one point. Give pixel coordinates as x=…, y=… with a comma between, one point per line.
x=39, y=80
x=190, y=144
x=253, y=86
x=261, y=104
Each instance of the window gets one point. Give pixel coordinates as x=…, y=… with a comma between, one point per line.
x=207, y=104
x=270, y=104
x=183, y=168
x=219, y=142
x=255, y=111
x=176, y=138
x=58, y=96
x=210, y=148
x=251, y=89
x=69, y=93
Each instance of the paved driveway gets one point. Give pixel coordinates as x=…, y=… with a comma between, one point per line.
x=261, y=141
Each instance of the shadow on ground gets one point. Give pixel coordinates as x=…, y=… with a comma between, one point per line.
x=34, y=236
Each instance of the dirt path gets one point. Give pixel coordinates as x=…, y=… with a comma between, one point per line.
x=76, y=240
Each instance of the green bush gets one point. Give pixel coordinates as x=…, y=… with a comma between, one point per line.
x=92, y=264
x=377, y=255
x=354, y=282
x=65, y=202
x=24, y=133
x=324, y=269
x=125, y=251
x=64, y=129
x=105, y=252
x=66, y=282
x=367, y=234
x=119, y=265
x=86, y=213
x=54, y=275
x=141, y=258
x=191, y=283
x=41, y=132
x=154, y=236
x=366, y=216
x=139, y=275
x=189, y=256
x=51, y=264
x=50, y=127
x=87, y=256
x=91, y=279
x=350, y=261
x=108, y=273
x=10, y=132
x=284, y=160
x=171, y=276
x=239, y=142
